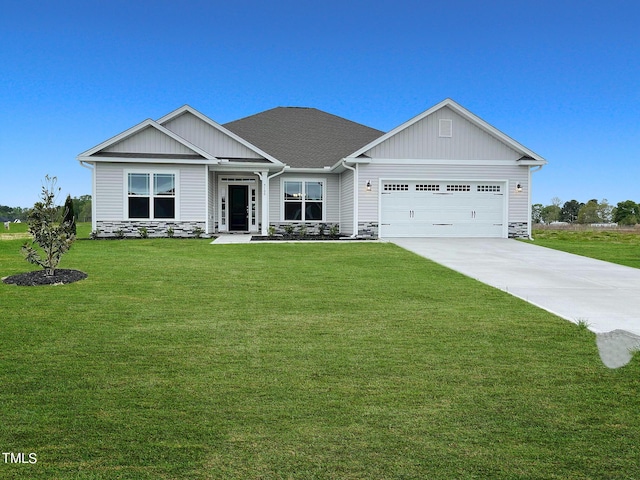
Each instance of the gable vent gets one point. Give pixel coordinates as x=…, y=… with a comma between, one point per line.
x=446, y=128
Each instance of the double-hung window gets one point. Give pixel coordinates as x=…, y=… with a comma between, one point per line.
x=152, y=195
x=303, y=200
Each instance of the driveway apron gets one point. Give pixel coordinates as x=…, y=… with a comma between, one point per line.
x=602, y=294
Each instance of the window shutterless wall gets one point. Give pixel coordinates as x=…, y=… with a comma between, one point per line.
x=156, y=189
x=331, y=213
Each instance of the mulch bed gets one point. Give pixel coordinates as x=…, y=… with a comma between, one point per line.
x=61, y=276
x=309, y=238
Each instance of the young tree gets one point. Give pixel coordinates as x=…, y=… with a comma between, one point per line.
x=50, y=232
x=69, y=215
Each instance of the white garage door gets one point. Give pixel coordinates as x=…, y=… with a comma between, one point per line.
x=442, y=209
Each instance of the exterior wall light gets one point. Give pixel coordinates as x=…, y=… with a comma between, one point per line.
x=518, y=187
x=368, y=185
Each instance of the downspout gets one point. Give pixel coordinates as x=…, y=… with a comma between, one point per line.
x=93, y=192
x=355, y=196
x=534, y=169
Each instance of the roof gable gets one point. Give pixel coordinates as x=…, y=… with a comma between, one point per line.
x=303, y=137
x=211, y=136
x=147, y=139
x=466, y=137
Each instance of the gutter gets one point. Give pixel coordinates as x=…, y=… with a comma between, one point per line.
x=534, y=169
x=355, y=196
x=93, y=192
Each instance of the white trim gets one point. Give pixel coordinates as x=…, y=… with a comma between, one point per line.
x=304, y=180
x=143, y=159
x=207, y=222
x=422, y=161
x=460, y=110
x=223, y=192
x=445, y=128
x=150, y=172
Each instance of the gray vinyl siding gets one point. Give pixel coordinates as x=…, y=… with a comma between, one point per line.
x=275, y=199
x=193, y=193
x=208, y=138
x=211, y=199
x=111, y=184
x=332, y=195
x=346, y=202
x=109, y=191
x=518, y=204
x=422, y=140
x=149, y=140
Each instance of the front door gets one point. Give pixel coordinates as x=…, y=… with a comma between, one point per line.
x=238, y=207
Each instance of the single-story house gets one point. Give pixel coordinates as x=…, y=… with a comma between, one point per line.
x=444, y=173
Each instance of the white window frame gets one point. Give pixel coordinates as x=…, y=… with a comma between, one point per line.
x=304, y=180
x=151, y=172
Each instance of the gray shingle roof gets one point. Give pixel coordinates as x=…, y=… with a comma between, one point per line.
x=303, y=137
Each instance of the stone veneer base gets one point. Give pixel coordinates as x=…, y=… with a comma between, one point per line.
x=155, y=228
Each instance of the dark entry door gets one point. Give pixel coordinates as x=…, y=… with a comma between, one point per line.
x=238, y=207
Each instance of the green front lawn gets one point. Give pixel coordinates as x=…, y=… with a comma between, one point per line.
x=181, y=359
x=611, y=246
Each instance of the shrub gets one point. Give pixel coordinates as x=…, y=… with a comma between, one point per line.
x=271, y=231
x=302, y=230
x=334, y=230
x=197, y=232
x=50, y=232
x=143, y=232
x=69, y=215
x=170, y=232
x=289, y=229
x=119, y=233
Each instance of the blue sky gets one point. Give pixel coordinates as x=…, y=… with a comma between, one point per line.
x=560, y=77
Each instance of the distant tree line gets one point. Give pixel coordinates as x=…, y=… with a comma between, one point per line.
x=81, y=209
x=624, y=213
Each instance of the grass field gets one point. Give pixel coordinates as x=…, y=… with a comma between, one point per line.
x=611, y=246
x=180, y=359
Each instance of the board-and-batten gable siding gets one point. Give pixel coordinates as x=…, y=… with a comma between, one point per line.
x=149, y=140
x=332, y=195
x=111, y=185
x=346, y=202
x=422, y=140
x=208, y=138
x=513, y=174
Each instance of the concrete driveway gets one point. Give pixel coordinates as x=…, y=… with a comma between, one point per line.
x=605, y=295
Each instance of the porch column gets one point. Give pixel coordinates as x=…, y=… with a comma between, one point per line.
x=264, y=203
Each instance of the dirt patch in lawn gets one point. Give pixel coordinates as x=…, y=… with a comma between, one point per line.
x=14, y=236
x=39, y=277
